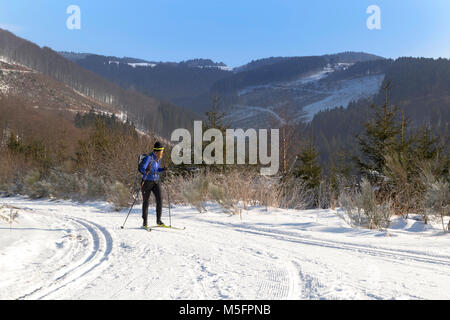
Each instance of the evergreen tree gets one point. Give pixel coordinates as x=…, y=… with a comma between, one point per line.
x=426, y=145
x=309, y=169
x=215, y=121
x=215, y=118
x=380, y=138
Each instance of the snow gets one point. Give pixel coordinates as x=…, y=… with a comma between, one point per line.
x=135, y=64
x=152, y=65
x=68, y=250
x=307, y=94
x=4, y=88
x=346, y=92
x=246, y=114
x=307, y=78
x=312, y=77
x=334, y=95
x=4, y=59
x=225, y=68
x=142, y=64
x=250, y=89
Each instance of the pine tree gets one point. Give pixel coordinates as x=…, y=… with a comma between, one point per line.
x=215, y=118
x=426, y=145
x=380, y=138
x=309, y=169
x=215, y=121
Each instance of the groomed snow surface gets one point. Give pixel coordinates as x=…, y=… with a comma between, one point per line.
x=67, y=250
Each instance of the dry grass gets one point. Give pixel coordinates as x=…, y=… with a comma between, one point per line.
x=236, y=189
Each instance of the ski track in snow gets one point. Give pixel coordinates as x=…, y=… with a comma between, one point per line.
x=101, y=247
x=394, y=254
x=262, y=256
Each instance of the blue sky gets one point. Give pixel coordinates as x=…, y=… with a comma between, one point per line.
x=230, y=31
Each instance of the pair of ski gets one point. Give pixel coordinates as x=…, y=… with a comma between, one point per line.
x=163, y=227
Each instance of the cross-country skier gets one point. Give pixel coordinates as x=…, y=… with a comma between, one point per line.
x=151, y=166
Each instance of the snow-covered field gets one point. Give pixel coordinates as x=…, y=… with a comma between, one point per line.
x=67, y=250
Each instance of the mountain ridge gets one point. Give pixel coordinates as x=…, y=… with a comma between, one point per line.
x=145, y=111
x=193, y=83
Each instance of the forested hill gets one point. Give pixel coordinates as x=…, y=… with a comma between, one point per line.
x=180, y=83
x=284, y=70
x=343, y=57
x=192, y=83
x=419, y=87
x=275, y=69
x=145, y=111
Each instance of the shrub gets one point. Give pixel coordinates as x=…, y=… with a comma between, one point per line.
x=362, y=208
x=119, y=195
x=34, y=187
x=293, y=193
x=93, y=187
x=65, y=185
x=196, y=192
x=437, y=196
x=223, y=197
x=353, y=215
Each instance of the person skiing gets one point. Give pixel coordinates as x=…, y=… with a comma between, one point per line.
x=150, y=168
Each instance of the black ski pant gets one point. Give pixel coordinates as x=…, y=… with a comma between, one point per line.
x=147, y=188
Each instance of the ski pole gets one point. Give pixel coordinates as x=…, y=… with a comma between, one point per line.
x=129, y=211
x=135, y=199
x=168, y=198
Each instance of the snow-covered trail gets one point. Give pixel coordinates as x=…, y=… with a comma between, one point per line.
x=65, y=250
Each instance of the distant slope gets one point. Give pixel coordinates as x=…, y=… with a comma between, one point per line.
x=298, y=88
x=192, y=83
x=352, y=57
x=74, y=56
x=343, y=57
x=182, y=83
x=42, y=92
x=284, y=70
x=147, y=112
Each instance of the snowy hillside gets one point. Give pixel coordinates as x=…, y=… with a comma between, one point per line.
x=66, y=250
x=345, y=92
x=305, y=97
